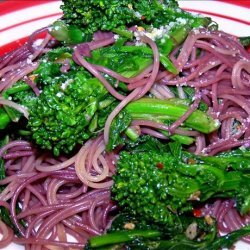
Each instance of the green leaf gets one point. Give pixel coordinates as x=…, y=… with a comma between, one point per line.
x=121, y=59
x=4, y=119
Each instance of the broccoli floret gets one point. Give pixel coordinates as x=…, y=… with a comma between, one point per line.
x=65, y=112
x=74, y=106
x=61, y=116
x=142, y=185
x=155, y=181
x=116, y=16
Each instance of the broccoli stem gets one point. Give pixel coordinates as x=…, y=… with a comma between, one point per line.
x=24, y=132
x=185, y=140
x=231, y=181
x=168, y=64
x=122, y=236
x=161, y=110
x=237, y=159
x=15, y=89
x=131, y=134
x=14, y=115
x=183, y=243
x=122, y=239
x=228, y=240
x=8, y=114
x=178, y=35
x=4, y=119
x=123, y=33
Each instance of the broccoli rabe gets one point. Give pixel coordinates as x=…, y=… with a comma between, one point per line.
x=62, y=116
x=73, y=106
x=165, y=112
x=70, y=106
x=153, y=240
x=129, y=233
x=117, y=16
x=155, y=180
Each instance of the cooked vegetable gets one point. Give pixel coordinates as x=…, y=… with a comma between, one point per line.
x=72, y=106
x=155, y=181
x=117, y=16
x=140, y=241
x=162, y=111
x=195, y=235
x=171, y=109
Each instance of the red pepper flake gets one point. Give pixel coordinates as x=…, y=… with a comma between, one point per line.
x=143, y=17
x=197, y=212
x=160, y=165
